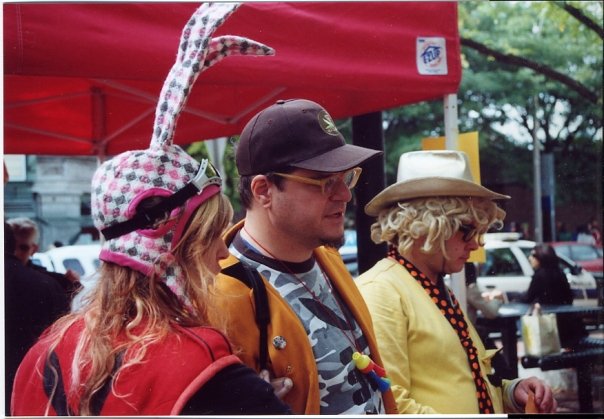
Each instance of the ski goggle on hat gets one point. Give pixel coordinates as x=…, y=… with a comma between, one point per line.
x=147, y=217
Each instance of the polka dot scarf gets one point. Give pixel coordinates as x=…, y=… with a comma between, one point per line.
x=452, y=312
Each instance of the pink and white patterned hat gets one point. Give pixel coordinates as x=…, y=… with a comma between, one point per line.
x=133, y=238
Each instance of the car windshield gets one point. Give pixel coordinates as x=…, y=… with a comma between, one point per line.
x=74, y=265
x=527, y=251
x=501, y=262
x=584, y=252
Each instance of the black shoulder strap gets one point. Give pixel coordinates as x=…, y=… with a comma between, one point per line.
x=250, y=277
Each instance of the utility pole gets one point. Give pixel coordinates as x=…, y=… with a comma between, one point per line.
x=537, y=176
x=458, y=279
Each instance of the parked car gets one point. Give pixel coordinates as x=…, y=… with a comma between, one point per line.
x=81, y=258
x=43, y=260
x=507, y=269
x=587, y=255
x=348, y=251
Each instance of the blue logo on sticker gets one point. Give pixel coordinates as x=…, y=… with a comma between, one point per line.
x=431, y=54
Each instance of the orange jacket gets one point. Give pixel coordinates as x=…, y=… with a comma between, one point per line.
x=296, y=360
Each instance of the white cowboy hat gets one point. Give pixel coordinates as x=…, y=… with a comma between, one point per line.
x=424, y=174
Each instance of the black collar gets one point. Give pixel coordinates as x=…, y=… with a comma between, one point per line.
x=250, y=252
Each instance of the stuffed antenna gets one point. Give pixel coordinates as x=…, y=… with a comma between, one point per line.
x=143, y=237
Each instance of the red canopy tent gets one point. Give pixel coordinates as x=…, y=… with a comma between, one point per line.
x=83, y=79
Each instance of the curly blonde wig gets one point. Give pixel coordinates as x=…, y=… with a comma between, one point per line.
x=436, y=218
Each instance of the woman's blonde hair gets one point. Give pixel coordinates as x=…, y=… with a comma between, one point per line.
x=436, y=218
x=140, y=310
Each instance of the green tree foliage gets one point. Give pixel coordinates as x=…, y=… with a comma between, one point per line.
x=529, y=68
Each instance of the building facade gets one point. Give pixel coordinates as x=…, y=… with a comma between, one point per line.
x=54, y=191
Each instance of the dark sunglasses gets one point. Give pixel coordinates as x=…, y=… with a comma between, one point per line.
x=469, y=232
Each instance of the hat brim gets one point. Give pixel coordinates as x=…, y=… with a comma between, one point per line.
x=338, y=159
x=427, y=187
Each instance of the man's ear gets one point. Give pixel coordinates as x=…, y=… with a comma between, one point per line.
x=261, y=190
x=34, y=249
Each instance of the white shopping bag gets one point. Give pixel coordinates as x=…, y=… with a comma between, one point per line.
x=540, y=333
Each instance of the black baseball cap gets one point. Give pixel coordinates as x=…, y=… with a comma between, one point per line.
x=296, y=133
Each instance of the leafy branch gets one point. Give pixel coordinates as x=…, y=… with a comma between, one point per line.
x=582, y=17
x=517, y=61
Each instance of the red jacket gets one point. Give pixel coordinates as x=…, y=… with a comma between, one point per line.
x=172, y=371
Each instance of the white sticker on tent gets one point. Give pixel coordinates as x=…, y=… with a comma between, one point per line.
x=431, y=56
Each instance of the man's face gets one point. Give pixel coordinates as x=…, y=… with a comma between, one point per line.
x=25, y=248
x=310, y=214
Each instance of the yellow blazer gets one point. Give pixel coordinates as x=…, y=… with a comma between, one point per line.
x=296, y=360
x=426, y=363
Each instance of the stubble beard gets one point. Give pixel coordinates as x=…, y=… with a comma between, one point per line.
x=335, y=243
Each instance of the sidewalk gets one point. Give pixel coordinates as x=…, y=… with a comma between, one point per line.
x=564, y=382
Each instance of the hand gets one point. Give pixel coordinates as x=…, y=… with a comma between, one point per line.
x=544, y=398
x=496, y=295
x=492, y=295
x=281, y=386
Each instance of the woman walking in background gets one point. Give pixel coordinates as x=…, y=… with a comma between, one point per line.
x=549, y=285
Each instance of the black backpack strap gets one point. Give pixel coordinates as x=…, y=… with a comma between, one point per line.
x=250, y=277
x=52, y=381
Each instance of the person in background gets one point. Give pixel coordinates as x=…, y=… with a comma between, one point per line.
x=6, y=174
x=526, y=231
x=27, y=235
x=584, y=234
x=141, y=344
x=32, y=302
x=562, y=232
x=488, y=303
x=297, y=173
x=595, y=232
x=432, y=219
x=549, y=285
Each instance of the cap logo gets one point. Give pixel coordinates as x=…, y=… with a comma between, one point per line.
x=327, y=124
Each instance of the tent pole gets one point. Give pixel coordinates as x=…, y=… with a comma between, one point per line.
x=99, y=124
x=367, y=132
x=458, y=280
x=451, y=123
